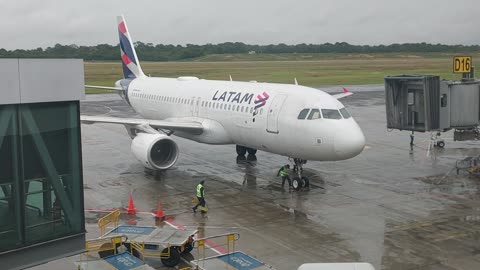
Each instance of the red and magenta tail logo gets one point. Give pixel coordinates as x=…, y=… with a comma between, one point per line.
x=261, y=100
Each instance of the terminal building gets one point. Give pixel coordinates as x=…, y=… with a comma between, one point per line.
x=41, y=185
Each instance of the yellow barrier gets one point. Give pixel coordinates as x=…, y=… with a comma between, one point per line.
x=140, y=247
x=104, y=244
x=202, y=243
x=109, y=219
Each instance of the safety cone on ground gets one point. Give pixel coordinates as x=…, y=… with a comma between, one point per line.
x=159, y=213
x=131, y=208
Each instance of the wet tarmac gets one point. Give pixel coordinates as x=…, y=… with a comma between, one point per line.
x=391, y=206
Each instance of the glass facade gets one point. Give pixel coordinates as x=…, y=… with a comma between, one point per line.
x=41, y=186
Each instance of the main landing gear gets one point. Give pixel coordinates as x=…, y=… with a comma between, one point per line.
x=242, y=150
x=299, y=180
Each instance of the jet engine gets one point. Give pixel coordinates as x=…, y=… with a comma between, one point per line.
x=155, y=151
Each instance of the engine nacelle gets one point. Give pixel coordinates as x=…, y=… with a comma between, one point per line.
x=155, y=151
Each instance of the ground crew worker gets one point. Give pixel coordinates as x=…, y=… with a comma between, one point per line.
x=283, y=172
x=200, y=196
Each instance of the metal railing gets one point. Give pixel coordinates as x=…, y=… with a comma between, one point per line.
x=104, y=244
x=109, y=219
x=203, y=244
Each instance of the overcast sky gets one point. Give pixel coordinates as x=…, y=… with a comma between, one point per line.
x=27, y=24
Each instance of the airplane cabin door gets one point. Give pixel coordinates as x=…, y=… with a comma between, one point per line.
x=194, y=106
x=197, y=106
x=273, y=113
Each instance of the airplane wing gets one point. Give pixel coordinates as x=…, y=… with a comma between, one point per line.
x=345, y=93
x=184, y=126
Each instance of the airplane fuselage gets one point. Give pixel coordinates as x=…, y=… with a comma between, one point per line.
x=262, y=116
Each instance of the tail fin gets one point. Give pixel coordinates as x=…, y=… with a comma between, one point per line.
x=130, y=64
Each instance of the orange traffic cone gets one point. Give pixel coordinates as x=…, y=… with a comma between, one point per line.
x=131, y=208
x=159, y=213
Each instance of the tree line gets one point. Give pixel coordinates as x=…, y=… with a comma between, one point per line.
x=161, y=52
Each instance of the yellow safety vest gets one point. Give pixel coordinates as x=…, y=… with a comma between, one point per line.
x=283, y=171
x=199, y=192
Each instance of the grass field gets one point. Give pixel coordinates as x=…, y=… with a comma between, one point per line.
x=309, y=69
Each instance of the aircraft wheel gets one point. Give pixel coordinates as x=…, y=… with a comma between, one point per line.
x=174, y=258
x=306, y=181
x=441, y=144
x=297, y=183
x=251, y=151
x=241, y=150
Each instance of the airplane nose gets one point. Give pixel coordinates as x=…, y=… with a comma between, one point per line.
x=349, y=142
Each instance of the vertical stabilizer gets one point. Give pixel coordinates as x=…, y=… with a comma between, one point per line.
x=131, y=66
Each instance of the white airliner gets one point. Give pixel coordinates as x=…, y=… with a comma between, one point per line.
x=291, y=120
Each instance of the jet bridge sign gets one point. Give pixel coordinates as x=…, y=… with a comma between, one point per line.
x=462, y=64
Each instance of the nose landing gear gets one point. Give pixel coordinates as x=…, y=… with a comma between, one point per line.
x=299, y=180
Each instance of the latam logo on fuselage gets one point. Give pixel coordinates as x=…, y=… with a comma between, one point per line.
x=241, y=98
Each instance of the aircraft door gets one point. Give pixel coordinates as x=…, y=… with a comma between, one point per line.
x=197, y=106
x=273, y=113
x=194, y=106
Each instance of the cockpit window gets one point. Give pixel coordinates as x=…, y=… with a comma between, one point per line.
x=345, y=113
x=314, y=114
x=331, y=114
x=303, y=113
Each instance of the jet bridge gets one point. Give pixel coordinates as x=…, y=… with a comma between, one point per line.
x=425, y=103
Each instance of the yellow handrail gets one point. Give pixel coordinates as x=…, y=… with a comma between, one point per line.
x=104, y=244
x=109, y=219
x=202, y=242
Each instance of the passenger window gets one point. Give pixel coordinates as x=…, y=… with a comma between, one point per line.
x=314, y=114
x=261, y=111
x=303, y=113
x=229, y=107
x=251, y=110
x=202, y=103
x=331, y=114
x=345, y=113
x=241, y=109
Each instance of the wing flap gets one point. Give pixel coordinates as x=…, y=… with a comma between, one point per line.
x=185, y=126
